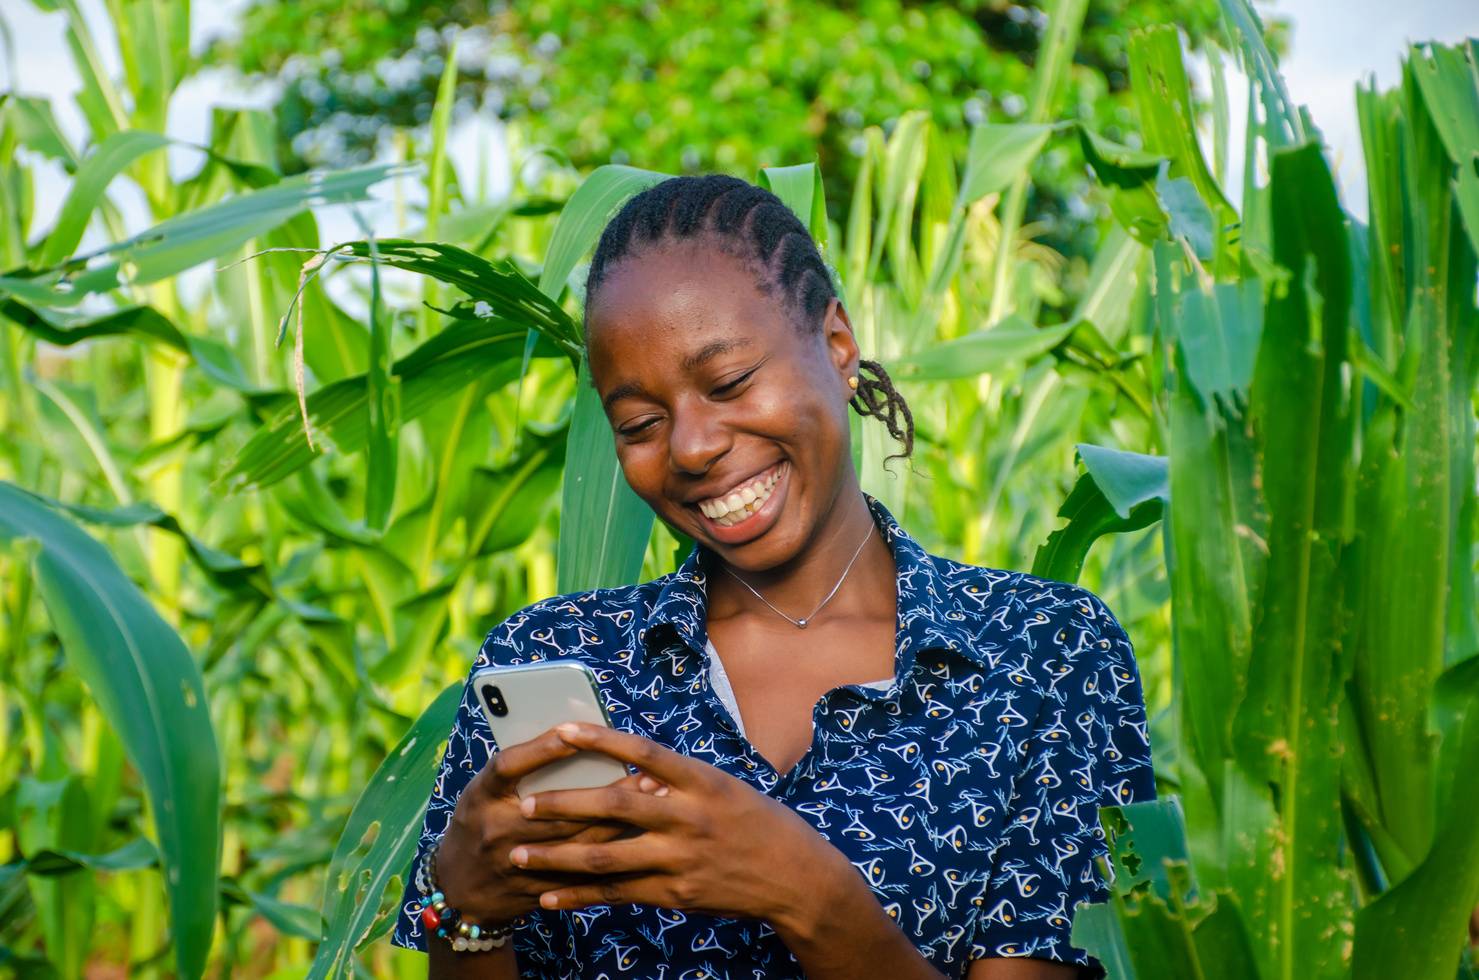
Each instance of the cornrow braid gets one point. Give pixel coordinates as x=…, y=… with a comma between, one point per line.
x=877, y=397
x=752, y=223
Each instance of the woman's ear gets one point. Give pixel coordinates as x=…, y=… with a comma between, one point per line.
x=842, y=344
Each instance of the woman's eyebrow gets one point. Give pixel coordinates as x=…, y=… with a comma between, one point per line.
x=710, y=351
x=621, y=391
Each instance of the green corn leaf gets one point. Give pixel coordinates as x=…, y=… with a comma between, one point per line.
x=1121, y=492
x=999, y=153
x=466, y=351
x=382, y=404
x=1218, y=337
x=375, y=850
x=298, y=921
x=594, y=203
x=35, y=126
x=500, y=285
x=801, y=188
x=1145, y=841
x=1285, y=124
x=1282, y=734
x=149, y=689
x=1011, y=342
x=109, y=159
x=1168, y=120
x=104, y=163
x=143, y=323
x=137, y=853
x=1097, y=930
x=1417, y=929
x=188, y=239
x=226, y=572
x=604, y=527
x=1127, y=480
x=1128, y=178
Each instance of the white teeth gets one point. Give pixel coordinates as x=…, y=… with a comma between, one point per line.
x=739, y=504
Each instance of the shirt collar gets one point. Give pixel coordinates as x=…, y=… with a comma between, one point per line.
x=928, y=617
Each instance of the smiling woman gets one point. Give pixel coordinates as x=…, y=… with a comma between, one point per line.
x=908, y=788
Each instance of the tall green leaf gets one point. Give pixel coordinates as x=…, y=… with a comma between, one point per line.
x=362, y=888
x=604, y=527
x=149, y=689
x=1283, y=736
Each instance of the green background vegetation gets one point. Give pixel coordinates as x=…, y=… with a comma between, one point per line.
x=253, y=532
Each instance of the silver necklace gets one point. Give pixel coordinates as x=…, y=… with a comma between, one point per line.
x=801, y=623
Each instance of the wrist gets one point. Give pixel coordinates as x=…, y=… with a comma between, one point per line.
x=444, y=920
x=827, y=891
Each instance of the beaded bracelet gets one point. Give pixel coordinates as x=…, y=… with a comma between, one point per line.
x=448, y=922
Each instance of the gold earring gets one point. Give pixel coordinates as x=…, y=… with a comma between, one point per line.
x=852, y=382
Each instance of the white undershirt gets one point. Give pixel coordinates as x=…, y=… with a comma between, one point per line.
x=720, y=682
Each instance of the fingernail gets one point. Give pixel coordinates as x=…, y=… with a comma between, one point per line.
x=662, y=791
x=647, y=784
x=568, y=730
x=519, y=856
x=526, y=806
x=549, y=900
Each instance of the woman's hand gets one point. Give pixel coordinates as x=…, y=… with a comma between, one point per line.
x=473, y=866
x=713, y=844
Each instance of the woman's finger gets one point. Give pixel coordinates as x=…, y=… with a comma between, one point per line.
x=509, y=765
x=607, y=891
x=653, y=759
x=641, y=854
x=619, y=803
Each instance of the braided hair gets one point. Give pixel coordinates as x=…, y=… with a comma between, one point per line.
x=751, y=223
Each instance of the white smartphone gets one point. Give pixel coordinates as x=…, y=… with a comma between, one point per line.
x=528, y=700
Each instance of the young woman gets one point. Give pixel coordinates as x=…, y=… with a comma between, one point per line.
x=854, y=759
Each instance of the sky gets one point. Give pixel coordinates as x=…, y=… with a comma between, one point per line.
x=1335, y=43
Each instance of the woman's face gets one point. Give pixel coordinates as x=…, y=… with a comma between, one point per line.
x=730, y=419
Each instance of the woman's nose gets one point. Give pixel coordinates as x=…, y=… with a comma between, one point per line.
x=697, y=440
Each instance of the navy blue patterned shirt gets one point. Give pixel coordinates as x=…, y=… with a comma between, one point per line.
x=966, y=793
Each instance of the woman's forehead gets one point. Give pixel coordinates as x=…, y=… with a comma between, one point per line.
x=686, y=297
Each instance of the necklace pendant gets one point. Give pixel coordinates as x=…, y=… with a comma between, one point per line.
x=801, y=623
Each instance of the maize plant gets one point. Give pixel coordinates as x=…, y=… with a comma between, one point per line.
x=1317, y=390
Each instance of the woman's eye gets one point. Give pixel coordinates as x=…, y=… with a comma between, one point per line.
x=730, y=386
x=637, y=427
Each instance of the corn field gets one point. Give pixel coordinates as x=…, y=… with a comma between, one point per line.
x=254, y=525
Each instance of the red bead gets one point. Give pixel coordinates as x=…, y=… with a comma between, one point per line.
x=430, y=917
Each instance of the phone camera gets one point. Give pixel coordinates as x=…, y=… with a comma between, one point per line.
x=493, y=697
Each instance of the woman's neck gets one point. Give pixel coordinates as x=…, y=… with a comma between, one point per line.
x=846, y=553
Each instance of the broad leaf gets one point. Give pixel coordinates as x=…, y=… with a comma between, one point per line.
x=149, y=689
x=375, y=850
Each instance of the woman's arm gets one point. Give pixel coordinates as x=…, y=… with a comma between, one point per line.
x=715, y=845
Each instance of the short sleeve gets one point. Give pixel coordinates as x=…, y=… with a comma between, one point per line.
x=468, y=749
x=1088, y=749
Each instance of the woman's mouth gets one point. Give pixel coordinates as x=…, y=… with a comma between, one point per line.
x=742, y=502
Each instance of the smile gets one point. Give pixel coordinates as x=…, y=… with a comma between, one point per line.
x=739, y=504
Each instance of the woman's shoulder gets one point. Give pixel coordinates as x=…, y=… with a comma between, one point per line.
x=591, y=616
x=1007, y=598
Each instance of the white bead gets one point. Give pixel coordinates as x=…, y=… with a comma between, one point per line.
x=460, y=944
x=485, y=945
x=499, y=941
